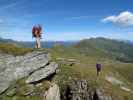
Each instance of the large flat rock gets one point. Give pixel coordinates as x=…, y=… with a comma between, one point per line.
x=42, y=73
x=13, y=68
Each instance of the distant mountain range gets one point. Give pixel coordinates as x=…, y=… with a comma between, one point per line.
x=49, y=44
x=118, y=50
x=45, y=44
x=130, y=42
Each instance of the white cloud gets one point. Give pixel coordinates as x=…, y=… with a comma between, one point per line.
x=123, y=19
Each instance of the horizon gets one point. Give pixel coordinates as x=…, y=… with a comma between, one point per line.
x=69, y=40
x=69, y=20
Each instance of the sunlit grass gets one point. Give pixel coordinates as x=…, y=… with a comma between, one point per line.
x=14, y=50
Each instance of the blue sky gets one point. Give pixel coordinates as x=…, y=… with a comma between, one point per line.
x=67, y=19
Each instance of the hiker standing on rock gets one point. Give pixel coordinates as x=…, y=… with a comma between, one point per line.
x=98, y=67
x=36, y=33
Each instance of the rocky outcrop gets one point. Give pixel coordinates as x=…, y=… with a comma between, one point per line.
x=35, y=65
x=118, y=82
x=53, y=93
x=42, y=73
x=69, y=62
x=80, y=90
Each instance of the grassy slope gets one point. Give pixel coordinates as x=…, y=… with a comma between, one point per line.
x=13, y=49
x=86, y=70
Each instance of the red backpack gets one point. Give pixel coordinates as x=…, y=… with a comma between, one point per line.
x=36, y=31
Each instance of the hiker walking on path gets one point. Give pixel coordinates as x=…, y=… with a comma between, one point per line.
x=98, y=68
x=36, y=33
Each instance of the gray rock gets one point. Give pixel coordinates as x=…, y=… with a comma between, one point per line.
x=11, y=93
x=42, y=73
x=69, y=62
x=53, y=93
x=20, y=66
x=80, y=90
x=101, y=95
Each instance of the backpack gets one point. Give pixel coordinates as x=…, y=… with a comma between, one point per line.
x=38, y=29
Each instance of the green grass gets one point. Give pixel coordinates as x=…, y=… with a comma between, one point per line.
x=125, y=70
x=14, y=50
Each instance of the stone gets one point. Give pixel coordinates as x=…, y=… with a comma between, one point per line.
x=20, y=66
x=53, y=93
x=42, y=73
x=79, y=89
x=11, y=93
x=69, y=62
x=101, y=95
x=113, y=80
